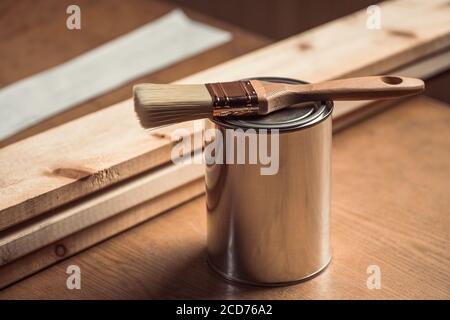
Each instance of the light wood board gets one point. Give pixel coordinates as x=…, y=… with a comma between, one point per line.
x=17, y=242
x=79, y=241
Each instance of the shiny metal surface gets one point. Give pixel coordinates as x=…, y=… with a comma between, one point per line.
x=272, y=229
x=290, y=118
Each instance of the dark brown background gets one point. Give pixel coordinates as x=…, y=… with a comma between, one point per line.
x=276, y=19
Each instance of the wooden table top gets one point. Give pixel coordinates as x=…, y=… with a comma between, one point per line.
x=390, y=208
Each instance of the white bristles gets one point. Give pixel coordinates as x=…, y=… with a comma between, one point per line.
x=161, y=104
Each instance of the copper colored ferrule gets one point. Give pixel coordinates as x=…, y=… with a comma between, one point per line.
x=235, y=98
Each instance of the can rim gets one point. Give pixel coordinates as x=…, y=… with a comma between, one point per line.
x=302, y=279
x=322, y=111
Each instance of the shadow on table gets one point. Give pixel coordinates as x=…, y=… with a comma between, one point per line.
x=195, y=279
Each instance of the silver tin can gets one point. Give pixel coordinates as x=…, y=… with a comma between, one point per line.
x=273, y=229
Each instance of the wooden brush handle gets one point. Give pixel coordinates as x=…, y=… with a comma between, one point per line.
x=364, y=88
x=273, y=96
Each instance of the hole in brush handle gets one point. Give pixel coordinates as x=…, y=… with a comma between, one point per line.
x=391, y=80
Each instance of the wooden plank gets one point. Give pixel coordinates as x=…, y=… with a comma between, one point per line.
x=69, y=163
x=77, y=176
x=19, y=241
x=345, y=47
x=390, y=207
x=96, y=233
x=347, y=113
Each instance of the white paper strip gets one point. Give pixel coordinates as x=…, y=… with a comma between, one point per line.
x=153, y=46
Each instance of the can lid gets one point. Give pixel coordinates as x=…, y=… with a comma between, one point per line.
x=294, y=117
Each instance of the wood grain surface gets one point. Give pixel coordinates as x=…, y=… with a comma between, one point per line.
x=70, y=164
x=74, y=243
x=17, y=242
x=390, y=208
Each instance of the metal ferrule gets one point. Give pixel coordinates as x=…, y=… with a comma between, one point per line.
x=235, y=98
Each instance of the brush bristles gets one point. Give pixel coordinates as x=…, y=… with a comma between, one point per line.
x=161, y=104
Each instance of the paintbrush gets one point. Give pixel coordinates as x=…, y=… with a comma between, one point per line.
x=162, y=104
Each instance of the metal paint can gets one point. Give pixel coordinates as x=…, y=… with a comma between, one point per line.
x=273, y=229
